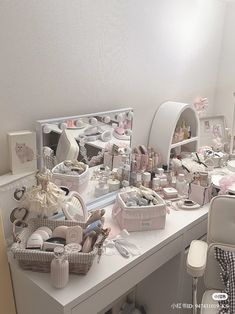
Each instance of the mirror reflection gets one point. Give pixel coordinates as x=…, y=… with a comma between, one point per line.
x=87, y=153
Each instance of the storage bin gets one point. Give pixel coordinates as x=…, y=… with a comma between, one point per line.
x=76, y=183
x=199, y=194
x=139, y=218
x=37, y=260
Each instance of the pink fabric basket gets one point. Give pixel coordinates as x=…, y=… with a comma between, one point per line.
x=73, y=183
x=140, y=218
x=199, y=194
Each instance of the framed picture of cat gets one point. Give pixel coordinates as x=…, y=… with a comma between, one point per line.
x=22, y=149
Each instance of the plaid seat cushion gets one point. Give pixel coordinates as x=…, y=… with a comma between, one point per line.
x=226, y=261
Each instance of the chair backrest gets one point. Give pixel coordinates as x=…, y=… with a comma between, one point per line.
x=221, y=233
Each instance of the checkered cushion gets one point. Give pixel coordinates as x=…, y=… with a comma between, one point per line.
x=226, y=261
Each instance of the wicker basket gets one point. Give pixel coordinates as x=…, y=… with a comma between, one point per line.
x=79, y=263
x=76, y=183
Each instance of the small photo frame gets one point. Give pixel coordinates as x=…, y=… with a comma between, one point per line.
x=212, y=127
x=207, y=126
x=22, y=149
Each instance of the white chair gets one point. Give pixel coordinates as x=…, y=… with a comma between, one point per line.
x=201, y=260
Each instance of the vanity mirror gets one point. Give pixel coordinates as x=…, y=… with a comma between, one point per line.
x=88, y=153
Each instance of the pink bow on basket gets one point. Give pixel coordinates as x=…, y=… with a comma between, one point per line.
x=225, y=183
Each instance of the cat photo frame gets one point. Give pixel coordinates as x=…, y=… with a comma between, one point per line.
x=22, y=149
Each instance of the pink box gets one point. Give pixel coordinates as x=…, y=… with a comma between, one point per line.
x=199, y=194
x=73, y=183
x=139, y=218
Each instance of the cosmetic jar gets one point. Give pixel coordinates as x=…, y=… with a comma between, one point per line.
x=113, y=184
x=101, y=188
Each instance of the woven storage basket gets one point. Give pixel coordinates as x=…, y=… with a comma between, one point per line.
x=76, y=183
x=79, y=263
x=139, y=218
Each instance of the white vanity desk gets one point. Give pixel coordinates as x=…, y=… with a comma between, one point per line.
x=114, y=275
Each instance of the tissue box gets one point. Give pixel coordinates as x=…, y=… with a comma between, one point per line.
x=199, y=194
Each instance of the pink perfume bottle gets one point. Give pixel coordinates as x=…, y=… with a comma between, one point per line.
x=59, y=268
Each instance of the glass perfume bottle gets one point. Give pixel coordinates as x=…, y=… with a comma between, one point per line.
x=181, y=185
x=59, y=268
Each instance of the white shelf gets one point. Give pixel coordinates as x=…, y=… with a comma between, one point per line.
x=165, y=121
x=190, y=140
x=10, y=178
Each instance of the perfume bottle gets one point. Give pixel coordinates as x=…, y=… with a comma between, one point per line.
x=59, y=268
x=181, y=185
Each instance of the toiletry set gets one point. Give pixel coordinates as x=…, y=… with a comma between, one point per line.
x=139, y=209
x=182, y=132
x=106, y=180
x=139, y=197
x=60, y=264
x=66, y=237
x=112, y=180
x=115, y=156
x=70, y=167
x=144, y=166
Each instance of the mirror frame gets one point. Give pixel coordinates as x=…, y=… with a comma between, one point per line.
x=103, y=200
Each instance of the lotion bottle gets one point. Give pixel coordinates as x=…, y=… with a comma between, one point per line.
x=181, y=185
x=59, y=268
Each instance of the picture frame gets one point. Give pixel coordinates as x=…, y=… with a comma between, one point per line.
x=22, y=150
x=212, y=127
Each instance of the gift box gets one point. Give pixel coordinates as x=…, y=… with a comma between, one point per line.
x=200, y=194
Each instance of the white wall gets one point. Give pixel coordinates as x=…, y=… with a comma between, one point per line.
x=224, y=100
x=68, y=57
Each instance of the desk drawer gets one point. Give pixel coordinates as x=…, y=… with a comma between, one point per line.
x=129, y=279
x=195, y=233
